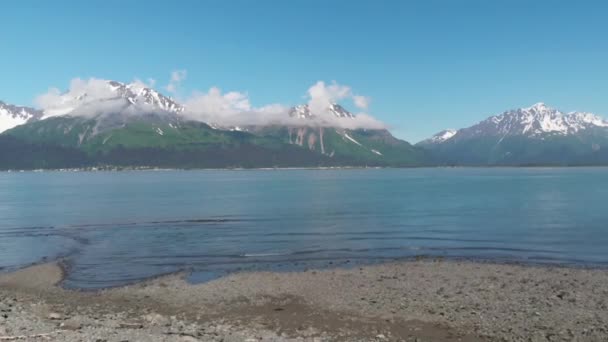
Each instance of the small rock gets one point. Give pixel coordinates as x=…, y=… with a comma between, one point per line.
x=381, y=337
x=55, y=316
x=130, y=325
x=156, y=319
x=71, y=324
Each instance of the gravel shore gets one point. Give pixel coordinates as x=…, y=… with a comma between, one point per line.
x=426, y=300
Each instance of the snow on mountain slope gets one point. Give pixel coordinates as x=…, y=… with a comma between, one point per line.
x=102, y=93
x=136, y=93
x=304, y=112
x=314, y=126
x=540, y=119
x=11, y=116
x=440, y=137
x=535, y=121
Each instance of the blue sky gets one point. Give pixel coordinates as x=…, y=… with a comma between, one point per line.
x=426, y=65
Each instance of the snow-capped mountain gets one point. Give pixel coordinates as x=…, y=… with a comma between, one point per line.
x=441, y=136
x=304, y=112
x=299, y=112
x=536, y=135
x=137, y=94
x=537, y=121
x=11, y=116
x=113, y=104
x=131, y=95
x=100, y=122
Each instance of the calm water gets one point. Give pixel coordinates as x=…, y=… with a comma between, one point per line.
x=114, y=228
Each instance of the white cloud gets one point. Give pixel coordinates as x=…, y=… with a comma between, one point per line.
x=81, y=94
x=235, y=109
x=98, y=96
x=138, y=84
x=321, y=95
x=90, y=97
x=362, y=102
x=231, y=109
x=177, y=77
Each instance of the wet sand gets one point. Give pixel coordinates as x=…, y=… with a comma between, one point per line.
x=424, y=300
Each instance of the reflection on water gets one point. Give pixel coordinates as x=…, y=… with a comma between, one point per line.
x=115, y=228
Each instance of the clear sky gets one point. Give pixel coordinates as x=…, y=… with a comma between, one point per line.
x=426, y=65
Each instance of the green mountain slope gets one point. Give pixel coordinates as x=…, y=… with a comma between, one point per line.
x=552, y=150
x=152, y=141
x=361, y=147
x=536, y=135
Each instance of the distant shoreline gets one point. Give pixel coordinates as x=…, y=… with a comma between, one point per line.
x=129, y=169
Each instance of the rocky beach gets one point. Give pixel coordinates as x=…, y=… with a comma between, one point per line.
x=424, y=300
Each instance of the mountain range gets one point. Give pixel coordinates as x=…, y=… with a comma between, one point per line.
x=135, y=126
x=536, y=135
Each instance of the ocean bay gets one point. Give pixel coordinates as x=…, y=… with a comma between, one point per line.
x=114, y=228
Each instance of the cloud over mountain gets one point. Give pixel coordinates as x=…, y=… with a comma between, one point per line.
x=96, y=96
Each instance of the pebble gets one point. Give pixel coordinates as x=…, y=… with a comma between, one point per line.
x=71, y=324
x=499, y=308
x=157, y=319
x=55, y=316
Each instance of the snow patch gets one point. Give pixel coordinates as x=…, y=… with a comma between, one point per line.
x=443, y=136
x=351, y=139
x=8, y=121
x=540, y=119
x=12, y=116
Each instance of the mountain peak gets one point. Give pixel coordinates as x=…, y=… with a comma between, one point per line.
x=134, y=94
x=440, y=137
x=539, y=107
x=536, y=121
x=303, y=111
x=11, y=115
